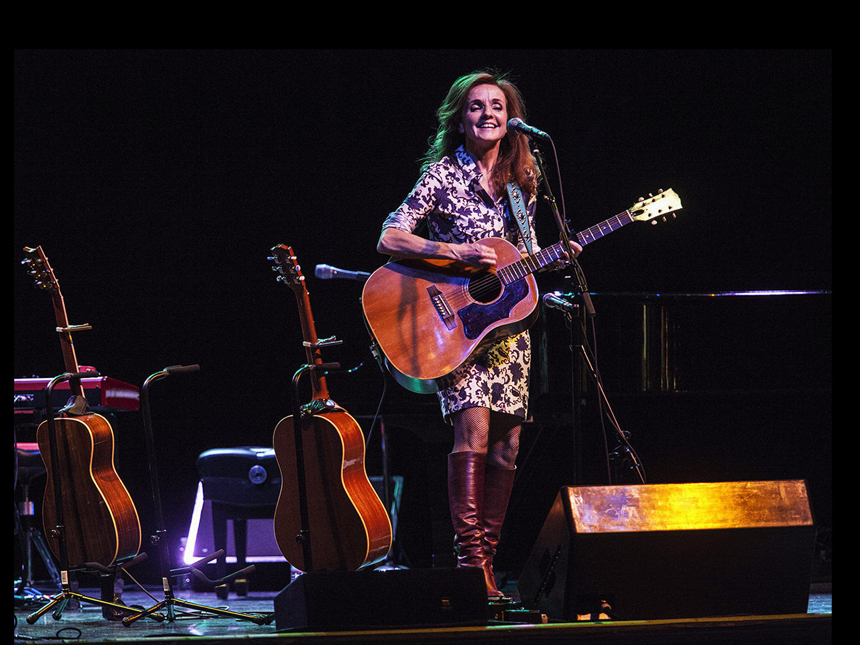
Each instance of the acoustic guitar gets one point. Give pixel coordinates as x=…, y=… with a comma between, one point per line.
x=432, y=318
x=101, y=523
x=348, y=527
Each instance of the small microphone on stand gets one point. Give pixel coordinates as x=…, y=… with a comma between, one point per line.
x=553, y=301
x=326, y=272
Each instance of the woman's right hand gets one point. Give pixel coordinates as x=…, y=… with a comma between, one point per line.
x=474, y=254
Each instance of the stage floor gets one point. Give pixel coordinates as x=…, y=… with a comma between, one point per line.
x=86, y=624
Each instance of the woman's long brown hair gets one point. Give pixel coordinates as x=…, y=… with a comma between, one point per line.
x=515, y=162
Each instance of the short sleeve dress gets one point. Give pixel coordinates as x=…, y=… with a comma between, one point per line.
x=448, y=197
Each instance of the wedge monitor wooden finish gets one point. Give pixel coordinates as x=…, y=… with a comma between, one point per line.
x=673, y=551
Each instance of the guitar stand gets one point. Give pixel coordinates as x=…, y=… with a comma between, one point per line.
x=59, y=602
x=159, y=539
x=170, y=602
x=300, y=413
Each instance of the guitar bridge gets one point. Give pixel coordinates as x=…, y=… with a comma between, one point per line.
x=442, y=306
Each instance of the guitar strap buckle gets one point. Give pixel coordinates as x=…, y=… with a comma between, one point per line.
x=518, y=209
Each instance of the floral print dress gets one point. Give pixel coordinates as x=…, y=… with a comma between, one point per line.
x=449, y=199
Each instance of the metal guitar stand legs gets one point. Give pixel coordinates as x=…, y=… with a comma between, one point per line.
x=159, y=538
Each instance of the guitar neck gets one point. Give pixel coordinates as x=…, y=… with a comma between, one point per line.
x=67, y=345
x=287, y=265
x=40, y=268
x=70, y=360
x=311, y=343
x=537, y=261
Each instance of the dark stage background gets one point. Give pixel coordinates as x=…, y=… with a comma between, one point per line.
x=158, y=180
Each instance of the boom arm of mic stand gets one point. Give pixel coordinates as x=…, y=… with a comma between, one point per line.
x=159, y=538
x=160, y=534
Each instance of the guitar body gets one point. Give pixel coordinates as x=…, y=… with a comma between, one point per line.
x=432, y=318
x=100, y=519
x=348, y=526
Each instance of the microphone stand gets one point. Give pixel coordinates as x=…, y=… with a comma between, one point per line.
x=578, y=342
x=390, y=563
x=159, y=538
x=575, y=328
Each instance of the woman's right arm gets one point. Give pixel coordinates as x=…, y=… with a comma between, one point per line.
x=402, y=244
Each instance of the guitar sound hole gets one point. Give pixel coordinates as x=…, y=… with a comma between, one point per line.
x=485, y=288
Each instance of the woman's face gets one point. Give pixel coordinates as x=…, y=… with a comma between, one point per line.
x=484, y=120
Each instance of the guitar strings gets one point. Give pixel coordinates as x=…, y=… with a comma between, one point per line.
x=492, y=284
x=479, y=289
x=486, y=288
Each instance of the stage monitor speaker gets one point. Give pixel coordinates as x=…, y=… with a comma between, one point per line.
x=662, y=551
x=326, y=600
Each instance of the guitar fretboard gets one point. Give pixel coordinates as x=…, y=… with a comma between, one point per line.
x=535, y=262
x=604, y=228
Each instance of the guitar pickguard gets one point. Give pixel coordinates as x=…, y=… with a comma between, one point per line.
x=477, y=317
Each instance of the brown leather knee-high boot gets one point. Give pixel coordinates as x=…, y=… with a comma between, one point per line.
x=498, y=484
x=466, y=499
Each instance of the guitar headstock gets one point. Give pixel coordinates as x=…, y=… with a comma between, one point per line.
x=287, y=265
x=37, y=265
x=656, y=206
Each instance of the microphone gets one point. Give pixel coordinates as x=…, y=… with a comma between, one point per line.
x=518, y=125
x=552, y=301
x=326, y=272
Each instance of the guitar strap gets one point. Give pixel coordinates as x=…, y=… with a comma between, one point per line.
x=518, y=208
